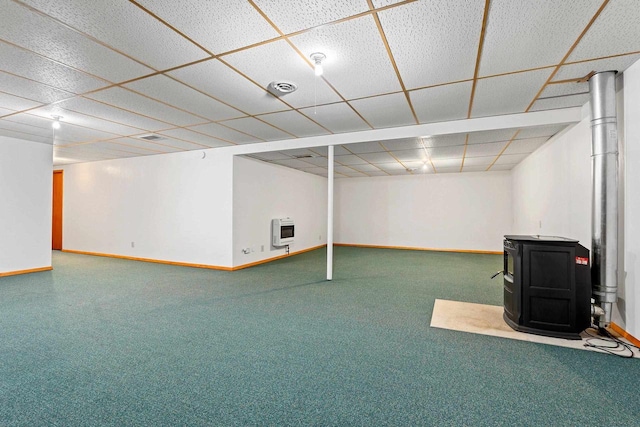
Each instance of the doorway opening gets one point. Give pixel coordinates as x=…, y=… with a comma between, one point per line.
x=56, y=227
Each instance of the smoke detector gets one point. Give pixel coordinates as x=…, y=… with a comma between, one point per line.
x=282, y=88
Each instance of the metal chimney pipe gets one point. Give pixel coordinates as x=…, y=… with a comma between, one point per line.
x=604, y=175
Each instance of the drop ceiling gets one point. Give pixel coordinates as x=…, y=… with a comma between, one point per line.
x=196, y=75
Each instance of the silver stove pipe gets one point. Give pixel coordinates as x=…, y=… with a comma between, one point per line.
x=604, y=175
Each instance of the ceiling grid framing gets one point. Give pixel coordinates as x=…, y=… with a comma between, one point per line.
x=114, y=117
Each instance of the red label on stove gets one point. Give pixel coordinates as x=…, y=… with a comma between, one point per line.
x=582, y=260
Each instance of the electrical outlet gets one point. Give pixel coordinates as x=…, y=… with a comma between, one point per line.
x=262, y=248
x=540, y=223
x=320, y=237
x=133, y=244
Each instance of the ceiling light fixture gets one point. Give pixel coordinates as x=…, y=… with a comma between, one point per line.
x=56, y=122
x=317, y=59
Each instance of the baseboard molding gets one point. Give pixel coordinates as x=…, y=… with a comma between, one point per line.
x=413, y=248
x=624, y=334
x=186, y=264
x=157, y=261
x=264, y=261
x=31, y=270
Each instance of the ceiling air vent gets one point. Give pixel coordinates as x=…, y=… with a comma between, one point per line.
x=151, y=137
x=304, y=156
x=281, y=88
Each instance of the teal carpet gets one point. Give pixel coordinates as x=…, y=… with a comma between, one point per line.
x=102, y=341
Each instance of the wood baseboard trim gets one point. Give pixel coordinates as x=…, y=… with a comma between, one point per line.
x=413, y=248
x=264, y=261
x=157, y=261
x=624, y=334
x=186, y=264
x=31, y=270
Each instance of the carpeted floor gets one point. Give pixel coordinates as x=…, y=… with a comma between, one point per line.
x=102, y=341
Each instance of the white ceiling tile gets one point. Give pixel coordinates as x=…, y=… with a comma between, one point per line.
x=317, y=161
x=454, y=169
x=292, y=163
x=19, y=128
x=31, y=90
x=299, y=152
x=444, y=140
x=219, y=27
x=176, y=143
x=336, y=117
x=507, y=94
x=257, y=128
x=271, y=155
x=154, y=146
x=473, y=168
x=447, y=33
x=377, y=173
x=581, y=69
x=446, y=163
x=16, y=103
x=378, y=157
x=522, y=146
x=560, y=102
x=385, y=111
x=278, y=61
x=354, y=174
x=195, y=137
x=409, y=155
x=116, y=149
x=350, y=159
x=491, y=136
x=291, y=16
x=67, y=132
x=537, y=131
x=451, y=152
x=383, y=3
x=294, y=123
x=366, y=167
x=488, y=149
x=131, y=101
x=176, y=94
x=615, y=31
x=224, y=84
x=6, y=111
x=505, y=167
x=58, y=42
x=225, y=133
x=353, y=48
x=337, y=150
x=561, y=89
x=403, y=144
x=479, y=161
x=391, y=167
x=84, y=120
x=345, y=170
x=511, y=159
x=35, y=67
x=110, y=113
x=126, y=28
x=315, y=171
x=365, y=147
x=521, y=35
x=440, y=103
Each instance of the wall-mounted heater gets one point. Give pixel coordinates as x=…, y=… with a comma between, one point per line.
x=283, y=231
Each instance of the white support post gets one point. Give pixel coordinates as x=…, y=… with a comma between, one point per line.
x=330, y=214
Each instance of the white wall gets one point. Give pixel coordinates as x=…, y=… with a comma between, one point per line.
x=265, y=191
x=630, y=296
x=468, y=211
x=174, y=207
x=552, y=187
x=25, y=204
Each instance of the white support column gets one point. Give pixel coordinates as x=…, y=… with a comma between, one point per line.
x=330, y=214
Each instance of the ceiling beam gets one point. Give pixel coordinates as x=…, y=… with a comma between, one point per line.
x=508, y=121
